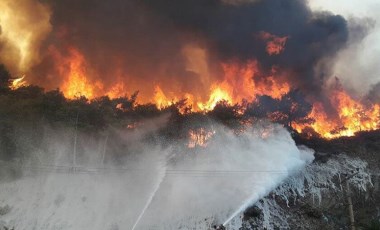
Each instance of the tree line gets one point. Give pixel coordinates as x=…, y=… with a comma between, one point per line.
x=31, y=107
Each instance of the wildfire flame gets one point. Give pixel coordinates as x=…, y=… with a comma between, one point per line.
x=199, y=137
x=217, y=95
x=75, y=72
x=18, y=82
x=353, y=117
x=239, y=83
x=25, y=26
x=161, y=100
x=76, y=83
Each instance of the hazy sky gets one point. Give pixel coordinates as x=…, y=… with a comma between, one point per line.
x=358, y=66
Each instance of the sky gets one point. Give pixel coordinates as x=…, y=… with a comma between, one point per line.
x=358, y=65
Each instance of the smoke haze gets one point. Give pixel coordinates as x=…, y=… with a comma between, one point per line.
x=186, y=185
x=356, y=65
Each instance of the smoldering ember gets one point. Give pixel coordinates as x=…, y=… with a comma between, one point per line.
x=189, y=114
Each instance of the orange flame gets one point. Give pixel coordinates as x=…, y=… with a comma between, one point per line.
x=75, y=72
x=238, y=85
x=118, y=90
x=353, y=117
x=199, y=137
x=76, y=82
x=275, y=45
x=161, y=100
x=18, y=82
x=239, y=82
x=217, y=95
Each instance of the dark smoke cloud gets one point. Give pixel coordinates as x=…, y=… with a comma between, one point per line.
x=145, y=37
x=116, y=35
x=231, y=29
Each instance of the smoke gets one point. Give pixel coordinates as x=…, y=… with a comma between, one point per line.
x=200, y=50
x=144, y=41
x=23, y=27
x=374, y=93
x=120, y=41
x=356, y=64
x=185, y=187
x=232, y=32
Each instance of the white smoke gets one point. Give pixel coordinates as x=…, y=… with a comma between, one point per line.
x=357, y=65
x=175, y=186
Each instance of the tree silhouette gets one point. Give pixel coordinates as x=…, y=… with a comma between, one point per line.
x=291, y=107
x=295, y=108
x=227, y=114
x=5, y=78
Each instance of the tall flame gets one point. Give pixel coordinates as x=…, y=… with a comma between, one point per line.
x=161, y=100
x=76, y=84
x=353, y=117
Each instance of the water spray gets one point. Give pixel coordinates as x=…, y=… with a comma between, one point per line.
x=150, y=199
x=244, y=206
